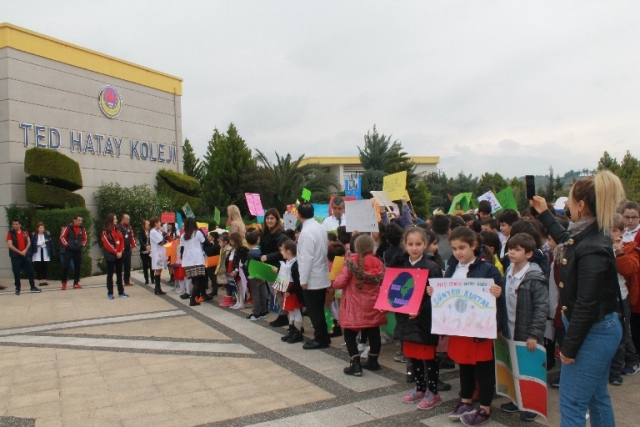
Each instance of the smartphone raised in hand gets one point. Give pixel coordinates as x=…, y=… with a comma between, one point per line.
x=530, y=182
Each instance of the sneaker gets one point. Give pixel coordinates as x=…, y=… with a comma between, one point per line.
x=110, y=296
x=528, y=416
x=555, y=383
x=77, y=286
x=36, y=290
x=185, y=296
x=429, y=401
x=414, y=396
x=630, y=369
x=64, y=287
x=461, y=409
x=17, y=292
x=615, y=380
x=443, y=386
x=263, y=315
x=400, y=358
x=251, y=318
x=365, y=353
x=386, y=339
x=123, y=295
x=475, y=418
x=199, y=299
x=509, y=407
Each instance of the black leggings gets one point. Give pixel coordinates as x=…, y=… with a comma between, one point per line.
x=433, y=374
x=374, y=340
x=485, y=373
x=41, y=269
x=146, y=266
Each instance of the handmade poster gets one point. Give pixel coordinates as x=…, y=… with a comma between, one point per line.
x=382, y=198
x=187, y=211
x=216, y=216
x=460, y=202
x=463, y=307
x=263, y=271
x=338, y=262
x=290, y=220
x=395, y=185
x=306, y=194
x=521, y=375
x=212, y=261
x=362, y=216
x=167, y=217
x=402, y=290
x=204, y=227
x=171, y=251
x=506, y=199
x=491, y=198
x=353, y=188
x=254, y=204
x=320, y=209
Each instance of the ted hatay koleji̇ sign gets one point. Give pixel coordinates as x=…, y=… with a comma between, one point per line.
x=99, y=144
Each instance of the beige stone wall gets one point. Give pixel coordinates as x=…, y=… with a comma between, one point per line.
x=42, y=92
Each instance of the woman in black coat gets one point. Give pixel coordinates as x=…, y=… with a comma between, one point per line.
x=272, y=234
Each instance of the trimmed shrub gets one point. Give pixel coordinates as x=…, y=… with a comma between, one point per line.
x=180, y=182
x=26, y=215
x=59, y=170
x=50, y=196
x=179, y=199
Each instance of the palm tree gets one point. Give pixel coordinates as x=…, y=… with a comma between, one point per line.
x=290, y=178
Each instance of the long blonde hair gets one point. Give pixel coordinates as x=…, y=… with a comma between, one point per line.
x=234, y=213
x=602, y=194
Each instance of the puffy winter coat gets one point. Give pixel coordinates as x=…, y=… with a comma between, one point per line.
x=360, y=293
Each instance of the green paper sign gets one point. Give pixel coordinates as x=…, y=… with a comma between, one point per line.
x=263, y=271
x=461, y=200
x=329, y=318
x=506, y=199
x=216, y=216
x=306, y=194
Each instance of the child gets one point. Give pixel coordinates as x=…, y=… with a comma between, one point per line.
x=492, y=241
x=360, y=280
x=626, y=360
x=393, y=233
x=414, y=330
x=223, y=269
x=631, y=216
x=526, y=302
x=212, y=250
x=506, y=219
x=538, y=257
x=293, y=299
x=238, y=260
x=474, y=356
x=257, y=286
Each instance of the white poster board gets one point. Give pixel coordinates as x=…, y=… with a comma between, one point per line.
x=383, y=199
x=491, y=198
x=362, y=215
x=290, y=220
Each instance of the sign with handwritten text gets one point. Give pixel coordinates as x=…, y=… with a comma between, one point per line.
x=395, y=185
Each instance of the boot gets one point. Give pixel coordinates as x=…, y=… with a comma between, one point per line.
x=227, y=301
x=354, y=367
x=295, y=337
x=372, y=363
x=281, y=320
x=158, y=290
x=289, y=334
x=336, y=331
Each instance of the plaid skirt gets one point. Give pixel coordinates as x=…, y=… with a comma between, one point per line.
x=195, y=270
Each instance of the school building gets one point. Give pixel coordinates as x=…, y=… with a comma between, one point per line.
x=349, y=167
x=120, y=121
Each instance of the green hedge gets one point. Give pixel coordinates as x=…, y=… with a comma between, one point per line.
x=50, y=196
x=60, y=170
x=179, y=199
x=180, y=182
x=26, y=215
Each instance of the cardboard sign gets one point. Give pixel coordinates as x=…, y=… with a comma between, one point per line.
x=383, y=199
x=212, y=261
x=521, y=375
x=338, y=262
x=290, y=220
x=166, y=217
x=216, y=216
x=491, y=198
x=353, y=188
x=362, y=216
x=402, y=290
x=263, y=271
x=395, y=185
x=306, y=194
x=460, y=202
x=463, y=307
x=254, y=204
x=506, y=199
x=187, y=211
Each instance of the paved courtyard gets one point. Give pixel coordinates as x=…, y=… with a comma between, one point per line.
x=75, y=358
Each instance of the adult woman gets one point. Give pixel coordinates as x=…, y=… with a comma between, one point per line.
x=193, y=258
x=112, y=248
x=272, y=234
x=145, y=249
x=589, y=294
x=158, y=252
x=41, y=252
x=235, y=221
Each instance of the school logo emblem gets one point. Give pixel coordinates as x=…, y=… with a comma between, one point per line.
x=110, y=102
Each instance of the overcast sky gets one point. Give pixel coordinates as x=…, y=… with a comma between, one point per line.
x=554, y=83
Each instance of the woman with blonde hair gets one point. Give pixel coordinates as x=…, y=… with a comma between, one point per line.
x=589, y=293
x=234, y=220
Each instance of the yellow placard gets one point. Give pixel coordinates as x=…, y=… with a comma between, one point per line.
x=338, y=262
x=202, y=224
x=395, y=185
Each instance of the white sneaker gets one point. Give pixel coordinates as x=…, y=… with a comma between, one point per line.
x=365, y=353
x=361, y=347
x=386, y=339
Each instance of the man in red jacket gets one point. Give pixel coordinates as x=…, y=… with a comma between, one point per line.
x=73, y=238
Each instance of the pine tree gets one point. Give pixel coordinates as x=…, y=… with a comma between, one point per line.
x=191, y=164
x=549, y=193
x=606, y=162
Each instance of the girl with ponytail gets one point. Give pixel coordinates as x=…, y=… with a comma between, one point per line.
x=589, y=291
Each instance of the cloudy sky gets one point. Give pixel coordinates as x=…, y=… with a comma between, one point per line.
x=498, y=86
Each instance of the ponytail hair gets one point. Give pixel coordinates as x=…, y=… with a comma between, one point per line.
x=602, y=194
x=484, y=250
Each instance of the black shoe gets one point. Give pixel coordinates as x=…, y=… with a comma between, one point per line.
x=36, y=290
x=443, y=386
x=372, y=363
x=528, y=416
x=289, y=333
x=281, y=320
x=509, y=407
x=207, y=298
x=17, y=291
x=160, y=292
x=193, y=303
x=185, y=296
x=447, y=365
x=354, y=368
x=315, y=345
x=295, y=337
x=555, y=383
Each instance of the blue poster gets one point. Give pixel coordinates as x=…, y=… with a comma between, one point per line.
x=353, y=188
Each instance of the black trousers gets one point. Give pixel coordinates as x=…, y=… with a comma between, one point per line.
x=314, y=300
x=146, y=266
x=373, y=335
x=41, y=269
x=126, y=263
x=76, y=257
x=117, y=266
x=635, y=330
x=485, y=373
x=19, y=263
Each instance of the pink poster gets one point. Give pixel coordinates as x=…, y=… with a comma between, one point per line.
x=254, y=204
x=402, y=290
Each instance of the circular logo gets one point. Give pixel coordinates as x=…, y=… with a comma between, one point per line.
x=401, y=290
x=110, y=102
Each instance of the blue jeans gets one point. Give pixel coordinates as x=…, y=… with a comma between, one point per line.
x=583, y=384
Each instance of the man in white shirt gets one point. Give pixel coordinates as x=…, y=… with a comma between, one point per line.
x=338, y=218
x=314, y=273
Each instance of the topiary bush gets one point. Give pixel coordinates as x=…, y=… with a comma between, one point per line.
x=180, y=182
x=50, y=196
x=52, y=179
x=179, y=199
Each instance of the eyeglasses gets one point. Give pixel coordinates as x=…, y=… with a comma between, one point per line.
x=630, y=218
